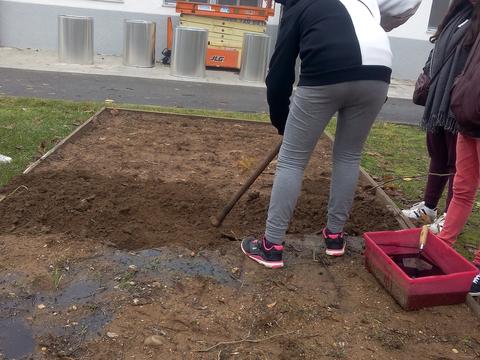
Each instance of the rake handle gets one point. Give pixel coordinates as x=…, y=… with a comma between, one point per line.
x=216, y=221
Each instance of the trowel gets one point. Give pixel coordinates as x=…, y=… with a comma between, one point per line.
x=416, y=262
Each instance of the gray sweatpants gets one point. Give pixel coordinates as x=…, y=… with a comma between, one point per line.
x=358, y=103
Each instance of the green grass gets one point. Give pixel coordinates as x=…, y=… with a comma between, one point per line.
x=200, y=112
x=29, y=127
x=397, y=156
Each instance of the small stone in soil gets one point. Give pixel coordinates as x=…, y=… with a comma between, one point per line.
x=154, y=340
x=112, y=335
x=132, y=268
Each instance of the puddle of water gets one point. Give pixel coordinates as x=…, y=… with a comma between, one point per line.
x=138, y=259
x=168, y=263
x=91, y=325
x=16, y=338
x=150, y=253
x=198, y=267
x=11, y=278
x=77, y=292
x=86, y=328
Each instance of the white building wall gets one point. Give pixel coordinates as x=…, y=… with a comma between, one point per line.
x=153, y=7
x=33, y=24
x=133, y=6
x=410, y=45
x=417, y=27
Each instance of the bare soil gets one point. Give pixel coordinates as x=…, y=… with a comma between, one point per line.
x=108, y=242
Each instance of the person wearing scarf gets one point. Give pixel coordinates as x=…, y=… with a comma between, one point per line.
x=444, y=64
x=467, y=177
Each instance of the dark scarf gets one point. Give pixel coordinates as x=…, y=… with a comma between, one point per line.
x=437, y=109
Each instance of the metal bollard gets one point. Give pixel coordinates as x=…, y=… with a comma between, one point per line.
x=75, y=39
x=139, y=43
x=254, y=57
x=189, y=51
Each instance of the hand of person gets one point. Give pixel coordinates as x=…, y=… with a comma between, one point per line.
x=396, y=12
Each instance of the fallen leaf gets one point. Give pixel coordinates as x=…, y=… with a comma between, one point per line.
x=272, y=305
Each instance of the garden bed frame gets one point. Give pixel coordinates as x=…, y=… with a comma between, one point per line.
x=380, y=194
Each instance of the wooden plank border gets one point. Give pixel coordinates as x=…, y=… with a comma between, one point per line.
x=197, y=116
x=75, y=134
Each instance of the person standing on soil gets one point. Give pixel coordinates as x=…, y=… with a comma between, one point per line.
x=467, y=177
x=346, y=67
x=445, y=62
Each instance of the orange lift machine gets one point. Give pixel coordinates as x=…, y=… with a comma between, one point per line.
x=226, y=25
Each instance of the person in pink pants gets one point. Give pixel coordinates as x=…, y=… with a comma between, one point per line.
x=467, y=177
x=465, y=185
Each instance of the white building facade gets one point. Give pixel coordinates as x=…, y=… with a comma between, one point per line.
x=33, y=24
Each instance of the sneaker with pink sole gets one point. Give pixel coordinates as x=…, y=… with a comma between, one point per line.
x=334, y=243
x=269, y=255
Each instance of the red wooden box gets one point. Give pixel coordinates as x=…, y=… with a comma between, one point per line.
x=416, y=293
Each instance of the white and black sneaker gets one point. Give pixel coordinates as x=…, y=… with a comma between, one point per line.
x=421, y=212
x=438, y=224
x=475, y=289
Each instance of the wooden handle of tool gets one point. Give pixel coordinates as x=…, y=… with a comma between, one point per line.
x=423, y=236
x=217, y=220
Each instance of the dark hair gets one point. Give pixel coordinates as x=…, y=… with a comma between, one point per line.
x=455, y=7
x=474, y=29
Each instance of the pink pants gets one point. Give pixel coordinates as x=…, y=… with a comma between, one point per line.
x=465, y=185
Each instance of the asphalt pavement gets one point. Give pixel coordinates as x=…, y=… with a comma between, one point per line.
x=181, y=94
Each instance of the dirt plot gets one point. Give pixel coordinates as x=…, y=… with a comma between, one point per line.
x=108, y=242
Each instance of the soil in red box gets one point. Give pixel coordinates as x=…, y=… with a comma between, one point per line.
x=417, y=265
x=108, y=242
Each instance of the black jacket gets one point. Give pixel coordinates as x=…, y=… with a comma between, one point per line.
x=337, y=40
